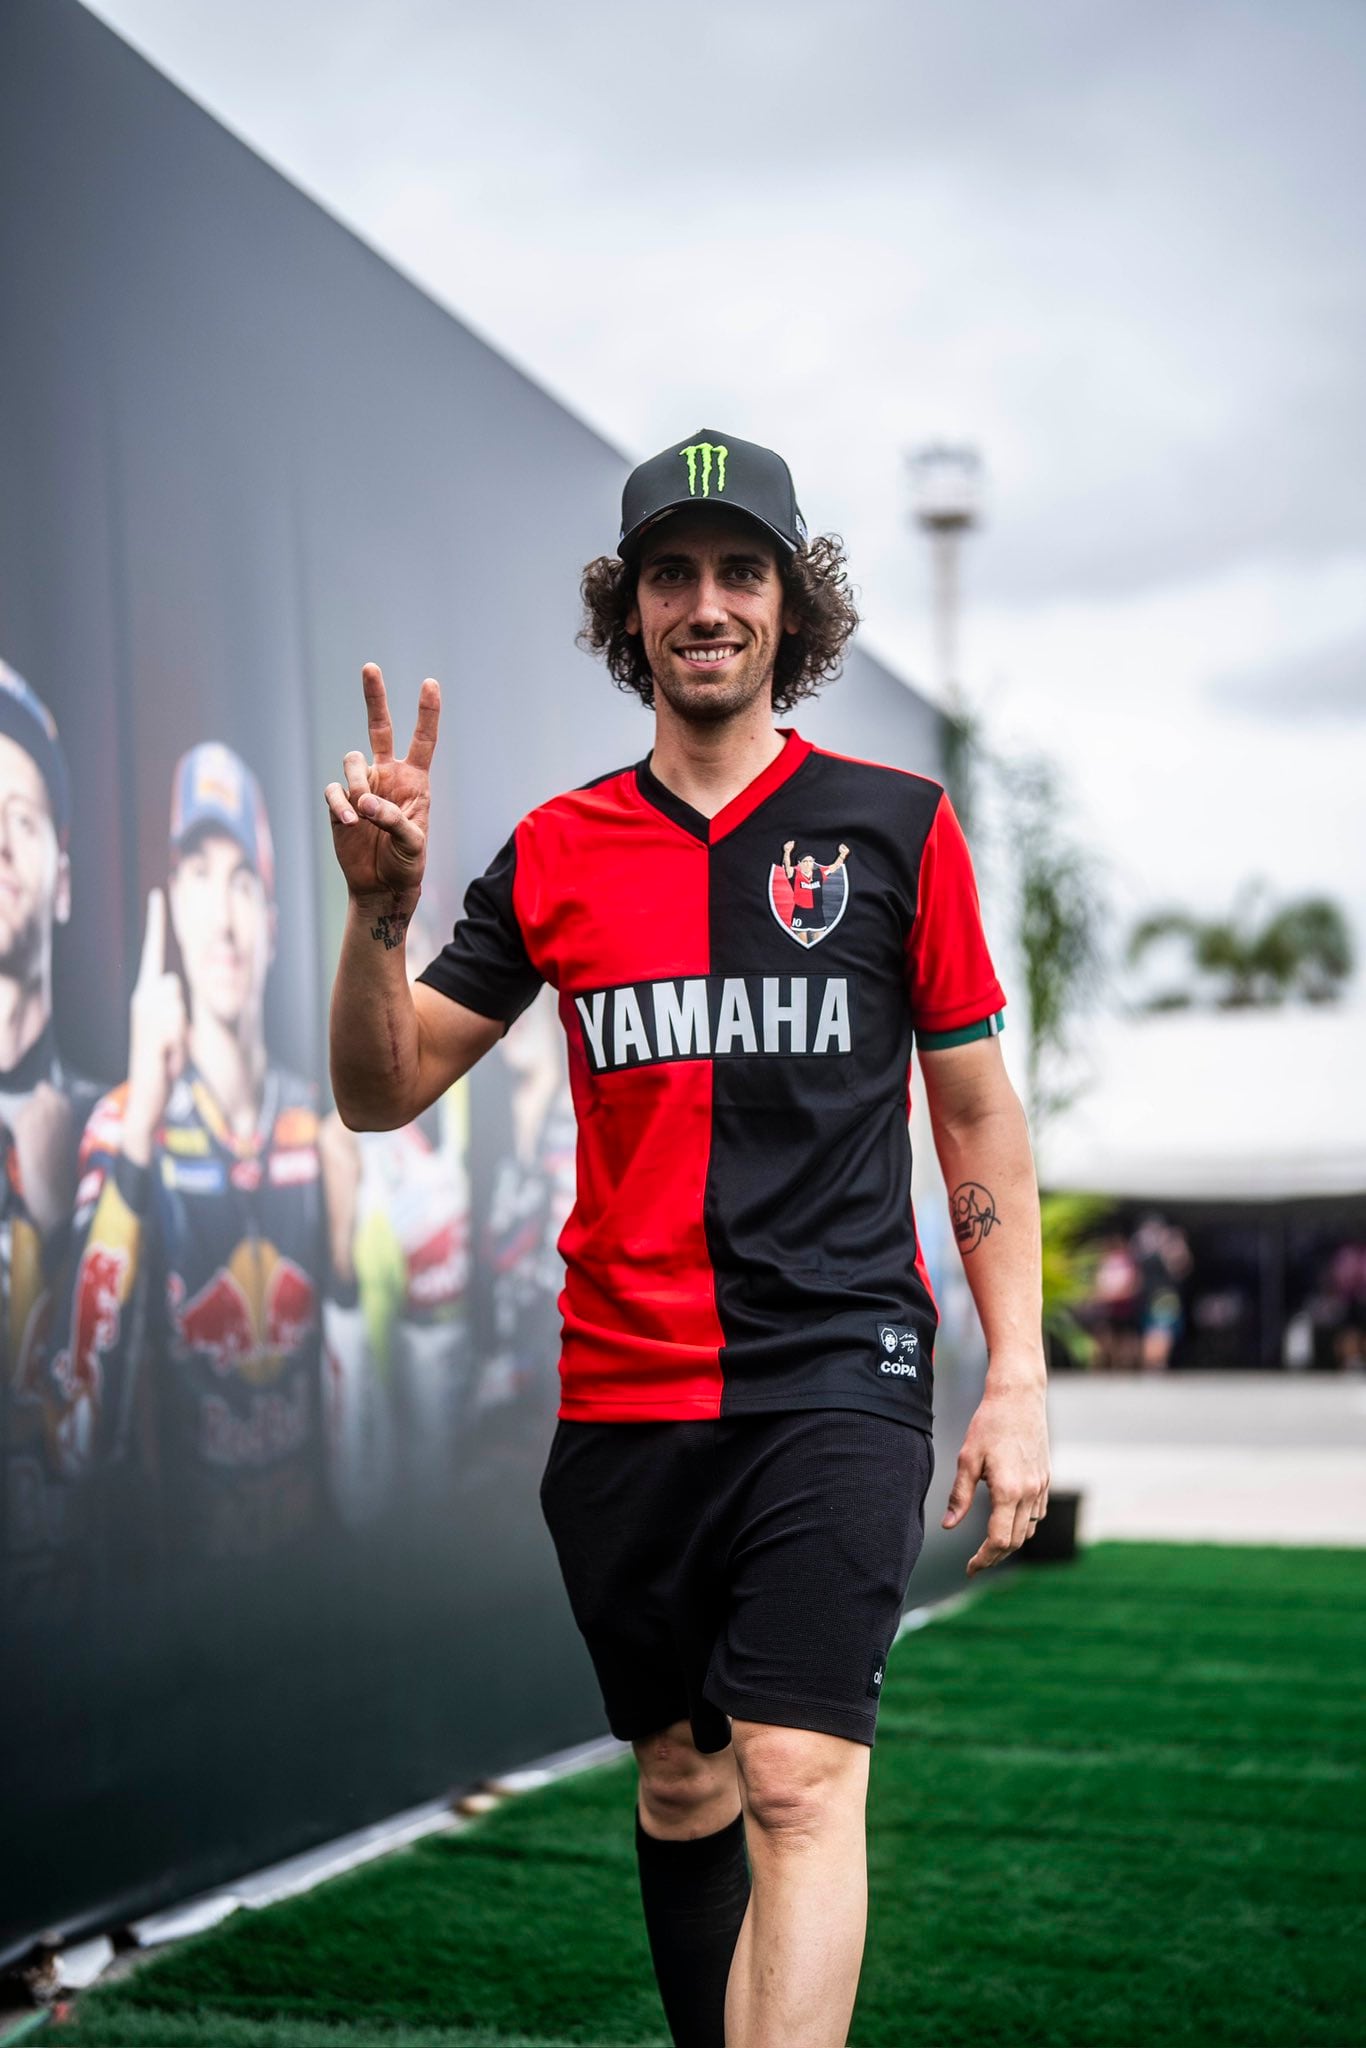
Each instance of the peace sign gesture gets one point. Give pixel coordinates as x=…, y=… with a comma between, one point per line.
x=379, y=816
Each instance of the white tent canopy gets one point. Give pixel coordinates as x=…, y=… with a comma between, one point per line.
x=1235, y=1105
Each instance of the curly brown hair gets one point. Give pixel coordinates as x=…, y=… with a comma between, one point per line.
x=815, y=588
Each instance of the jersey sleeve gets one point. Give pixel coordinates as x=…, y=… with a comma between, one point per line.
x=952, y=985
x=484, y=964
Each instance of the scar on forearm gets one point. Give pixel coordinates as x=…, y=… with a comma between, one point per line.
x=389, y=931
x=973, y=1209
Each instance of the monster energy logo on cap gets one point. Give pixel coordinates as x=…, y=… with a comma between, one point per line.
x=711, y=469
x=702, y=452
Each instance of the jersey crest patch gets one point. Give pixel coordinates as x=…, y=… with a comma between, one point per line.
x=808, y=896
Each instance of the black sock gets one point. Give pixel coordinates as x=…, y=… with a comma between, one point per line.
x=694, y=1895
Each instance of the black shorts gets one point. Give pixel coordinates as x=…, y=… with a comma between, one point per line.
x=755, y=1566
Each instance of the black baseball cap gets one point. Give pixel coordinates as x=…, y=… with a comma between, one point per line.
x=25, y=719
x=214, y=787
x=711, y=468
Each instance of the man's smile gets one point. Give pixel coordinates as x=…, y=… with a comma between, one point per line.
x=710, y=654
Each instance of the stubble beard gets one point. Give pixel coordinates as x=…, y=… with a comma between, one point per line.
x=708, y=704
x=239, y=1015
x=23, y=949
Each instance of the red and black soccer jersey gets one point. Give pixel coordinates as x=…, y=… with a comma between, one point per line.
x=742, y=1238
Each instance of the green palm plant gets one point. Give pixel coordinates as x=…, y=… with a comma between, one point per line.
x=1058, y=899
x=1256, y=956
x=1070, y=1252
x=1059, y=908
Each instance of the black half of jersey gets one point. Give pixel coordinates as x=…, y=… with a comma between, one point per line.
x=808, y=1200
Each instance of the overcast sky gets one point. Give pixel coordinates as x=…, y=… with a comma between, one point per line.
x=1115, y=244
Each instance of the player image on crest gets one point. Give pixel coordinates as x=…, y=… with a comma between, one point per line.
x=808, y=898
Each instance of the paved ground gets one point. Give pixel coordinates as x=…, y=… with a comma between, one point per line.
x=1222, y=1457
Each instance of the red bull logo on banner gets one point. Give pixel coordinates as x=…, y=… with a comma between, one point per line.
x=101, y=1284
x=275, y=1425
x=253, y=1315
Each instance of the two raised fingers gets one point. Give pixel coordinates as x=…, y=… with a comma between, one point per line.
x=355, y=797
x=423, y=742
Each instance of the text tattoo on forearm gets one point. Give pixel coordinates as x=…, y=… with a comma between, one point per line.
x=389, y=931
x=973, y=1209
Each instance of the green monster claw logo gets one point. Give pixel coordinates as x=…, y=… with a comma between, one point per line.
x=706, y=449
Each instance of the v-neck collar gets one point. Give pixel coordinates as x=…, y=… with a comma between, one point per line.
x=741, y=806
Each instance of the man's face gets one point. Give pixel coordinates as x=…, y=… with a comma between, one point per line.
x=807, y=866
x=709, y=609
x=35, y=881
x=224, y=926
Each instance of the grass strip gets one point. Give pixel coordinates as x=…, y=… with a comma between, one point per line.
x=1113, y=1802
x=141, y=2029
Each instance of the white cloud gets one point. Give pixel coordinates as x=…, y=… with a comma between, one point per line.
x=1185, y=800
x=1114, y=246
x=1325, y=682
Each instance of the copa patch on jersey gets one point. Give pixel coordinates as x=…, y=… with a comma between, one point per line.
x=709, y=1016
x=807, y=896
x=898, y=1351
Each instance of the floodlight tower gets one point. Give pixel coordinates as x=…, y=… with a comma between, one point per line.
x=946, y=491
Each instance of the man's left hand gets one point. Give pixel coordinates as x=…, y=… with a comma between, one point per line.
x=1007, y=1445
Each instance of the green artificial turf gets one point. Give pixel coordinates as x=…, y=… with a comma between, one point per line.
x=1114, y=1803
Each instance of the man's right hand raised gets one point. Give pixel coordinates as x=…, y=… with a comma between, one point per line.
x=379, y=814
x=395, y=1047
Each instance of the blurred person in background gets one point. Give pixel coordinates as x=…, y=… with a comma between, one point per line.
x=1163, y=1259
x=1112, y=1314
x=747, y=1326
x=203, y=1247
x=399, y=1406
x=1346, y=1294
x=530, y=1199
x=47, y=1416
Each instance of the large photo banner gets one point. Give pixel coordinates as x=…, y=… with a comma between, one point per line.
x=275, y=1396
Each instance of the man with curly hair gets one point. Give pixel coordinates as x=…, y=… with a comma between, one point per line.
x=737, y=1482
